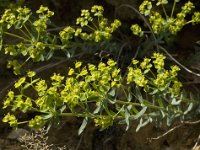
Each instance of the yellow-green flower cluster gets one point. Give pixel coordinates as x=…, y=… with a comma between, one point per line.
x=20, y=82
x=16, y=17
x=15, y=65
x=41, y=87
x=36, y=122
x=32, y=35
x=103, y=121
x=162, y=80
x=157, y=22
x=83, y=83
x=161, y=2
x=44, y=15
x=145, y=7
x=11, y=50
x=9, y=18
x=176, y=88
x=57, y=79
x=137, y=73
x=36, y=51
x=11, y=119
x=196, y=18
x=102, y=78
x=85, y=18
x=136, y=76
x=98, y=32
x=158, y=61
x=137, y=30
x=187, y=8
x=146, y=65
x=18, y=101
x=165, y=78
x=97, y=10
x=31, y=74
x=174, y=70
x=9, y=99
x=21, y=15
x=170, y=24
x=176, y=25
x=68, y=34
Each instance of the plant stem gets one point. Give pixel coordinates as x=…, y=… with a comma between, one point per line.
x=17, y=36
x=28, y=29
x=78, y=115
x=25, y=61
x=54, y=45
x=95, y=25
x=127, y=103
x=22, y=122
x=124, y=92
x=25, y=33
x=174, y=5
x=90, y=27
x=164, y=10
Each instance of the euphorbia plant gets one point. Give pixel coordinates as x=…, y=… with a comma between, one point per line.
x=163, y=24
x=34, y=41
x=148, y=92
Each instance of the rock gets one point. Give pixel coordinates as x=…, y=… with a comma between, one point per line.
x=17, y=133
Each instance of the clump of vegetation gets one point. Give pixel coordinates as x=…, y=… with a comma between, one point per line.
x=163, y=24
x=35, y=43
x=149, y=93
x=148, y=90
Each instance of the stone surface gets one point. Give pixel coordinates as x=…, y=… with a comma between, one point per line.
x=15, y=134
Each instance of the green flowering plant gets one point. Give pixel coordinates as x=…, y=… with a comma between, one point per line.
x=99, y=31
x=34, y=41
x=148, y=93
x=163, y=24
x=30, y=44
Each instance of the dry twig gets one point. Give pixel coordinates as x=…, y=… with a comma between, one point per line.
x=174, y=128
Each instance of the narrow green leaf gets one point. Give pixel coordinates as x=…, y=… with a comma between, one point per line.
x=138, y=115
x=111, y=92
x=189, y=108
x=134, y=109
x=62, y=108
x=138, y=94
x=127, y=116
x=160, y=102
x=153, y=92
x=142, y=124
x=83, y=125
x=112, y=101
x=162, y=112
x=48, y=116
x=50, y=54
x=149, y=104
x=129, y=98
x=98, y=108
x=174, y=102
x=105, y=106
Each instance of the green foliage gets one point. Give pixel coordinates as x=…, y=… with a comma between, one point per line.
x=34, y=42
x=148, y=91
x=164, y=24
x=93, y=92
